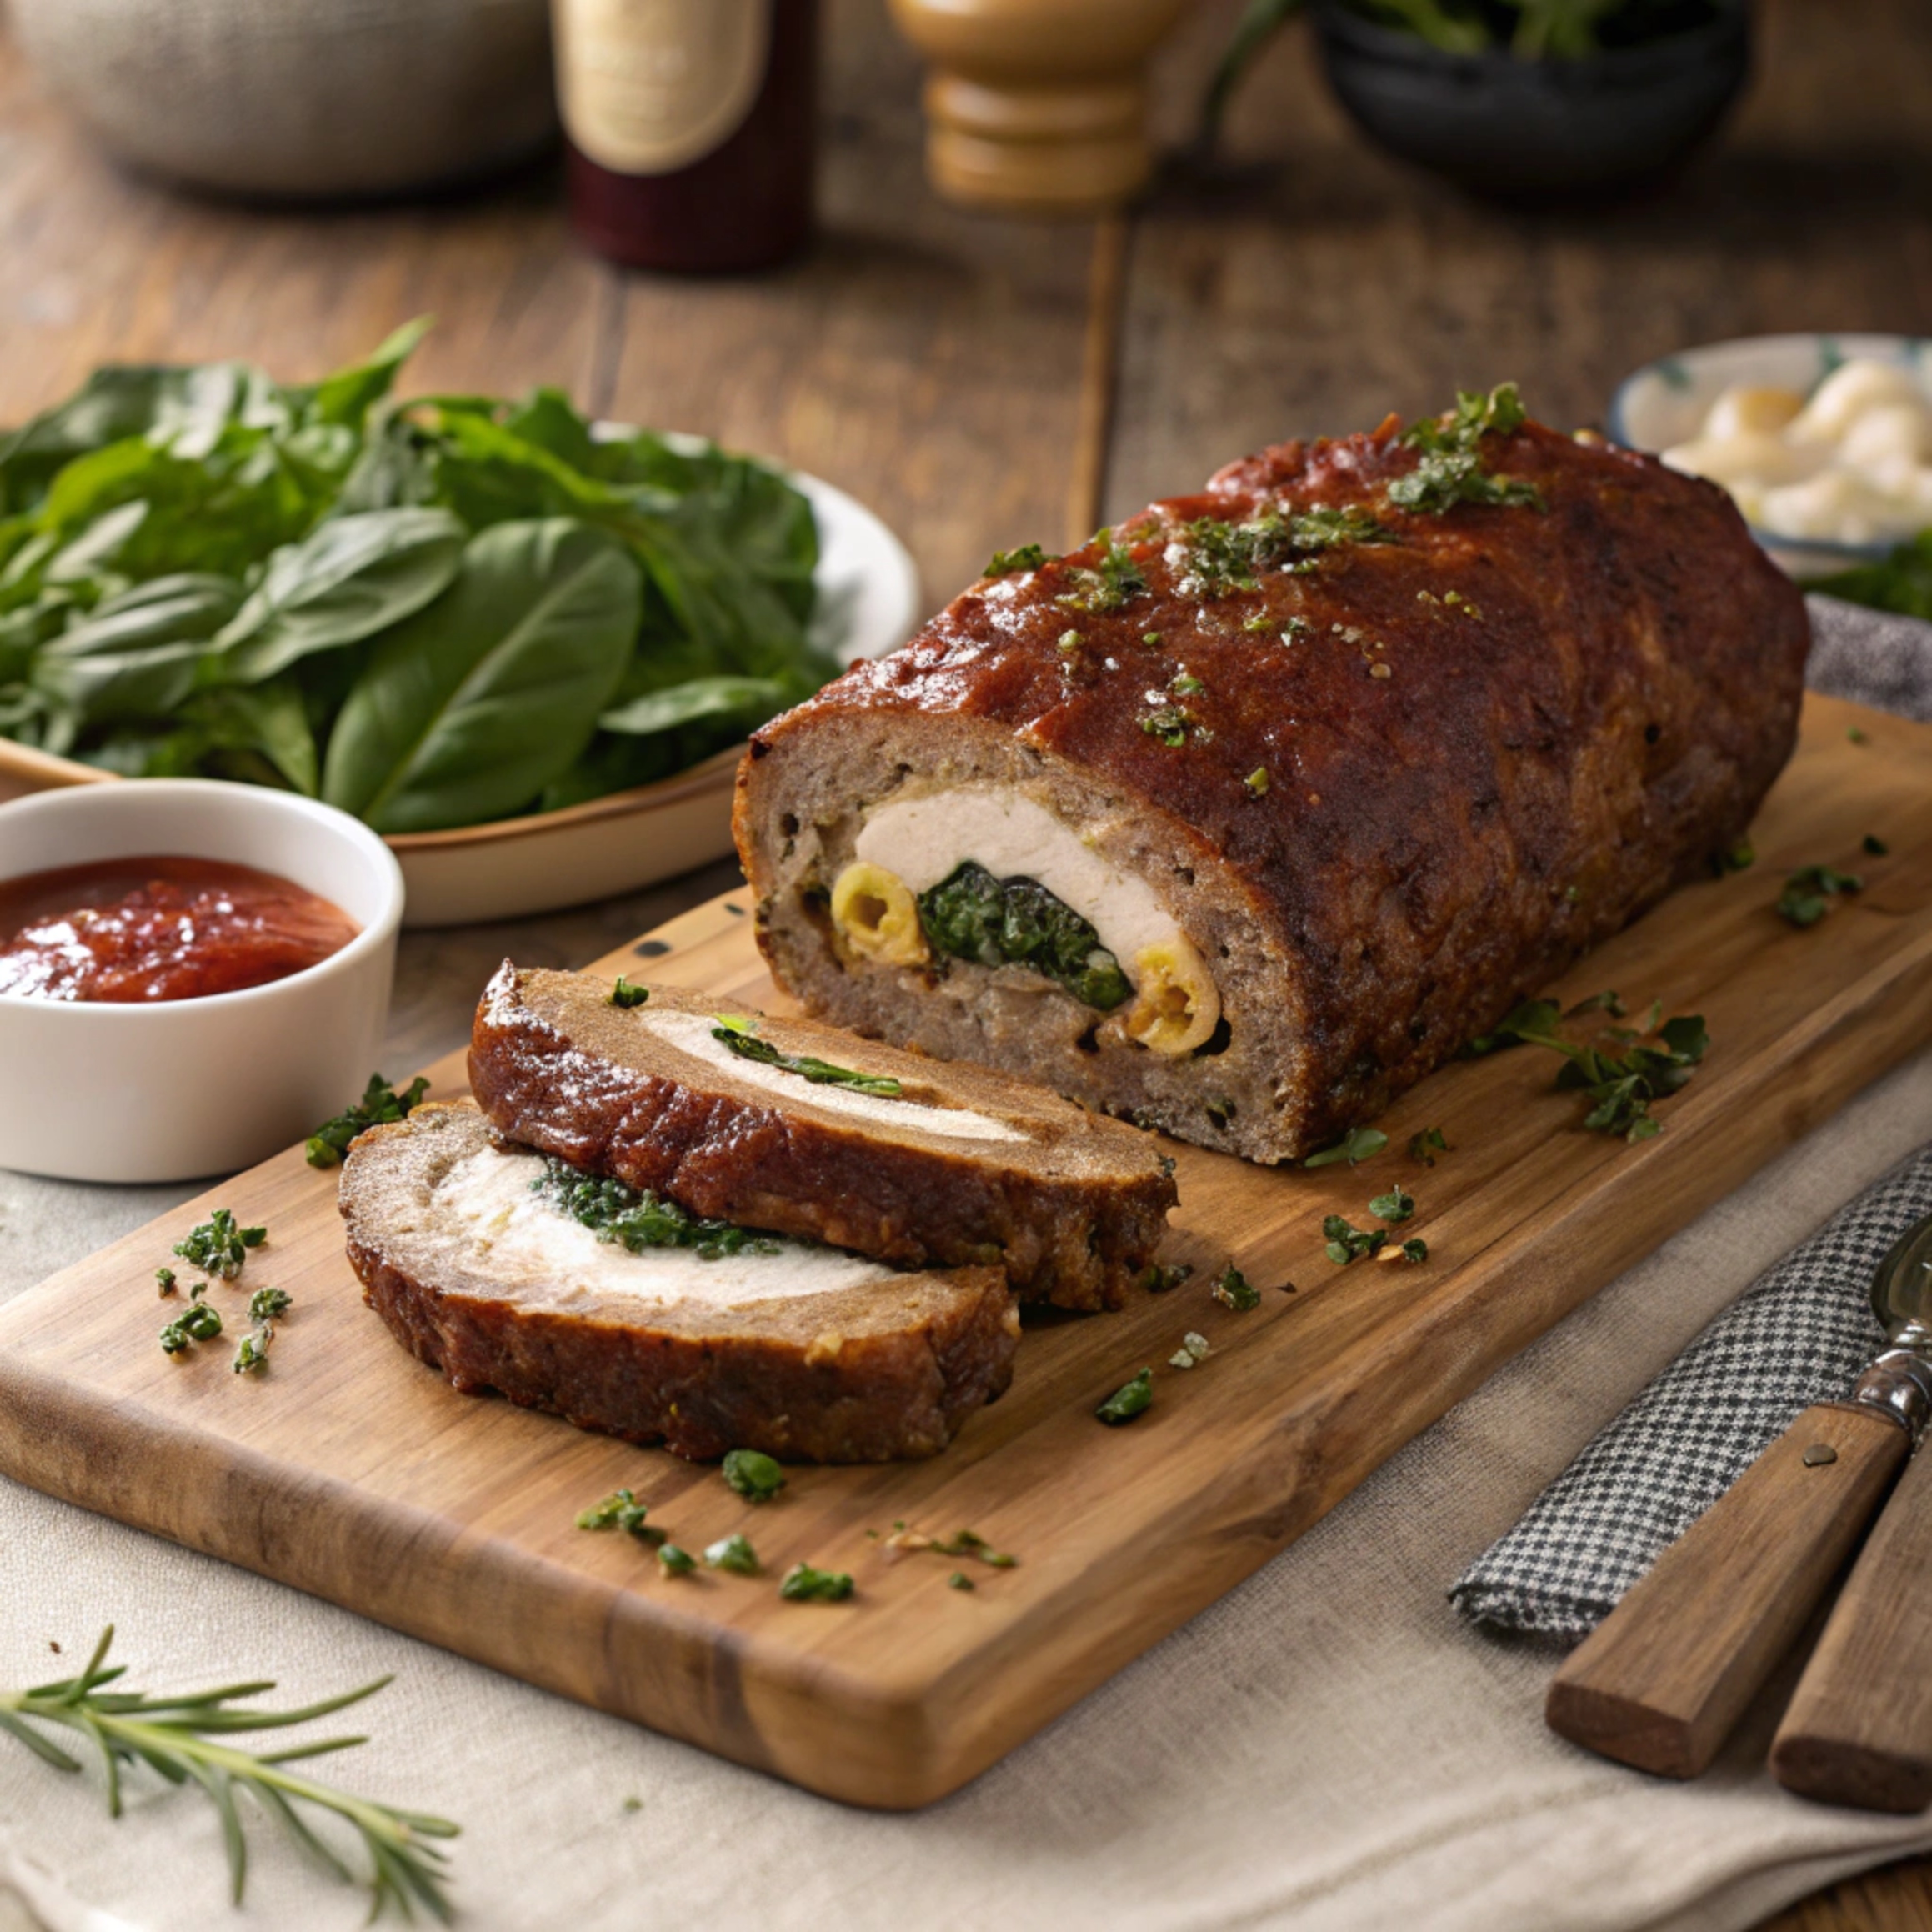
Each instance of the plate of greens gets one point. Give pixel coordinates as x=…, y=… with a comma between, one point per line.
x=525, y=647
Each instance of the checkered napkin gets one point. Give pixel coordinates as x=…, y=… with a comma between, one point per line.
x=1800, y=1336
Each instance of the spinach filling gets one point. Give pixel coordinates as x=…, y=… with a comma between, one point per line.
x=1016, y=922
x=637, y=1219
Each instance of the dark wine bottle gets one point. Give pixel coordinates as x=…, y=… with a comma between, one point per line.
x=690, y=128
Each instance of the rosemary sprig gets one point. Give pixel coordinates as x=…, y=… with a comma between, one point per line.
x=175, y=1734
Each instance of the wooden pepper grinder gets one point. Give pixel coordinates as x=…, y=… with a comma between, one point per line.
x=1038, y=107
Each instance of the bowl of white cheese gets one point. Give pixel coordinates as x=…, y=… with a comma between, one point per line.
x=1825, y=441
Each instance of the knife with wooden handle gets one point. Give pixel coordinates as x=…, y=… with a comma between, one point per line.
x=1664, y=1677
x=1859, y=1728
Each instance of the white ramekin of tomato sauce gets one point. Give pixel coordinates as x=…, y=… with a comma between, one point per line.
x=193, y=974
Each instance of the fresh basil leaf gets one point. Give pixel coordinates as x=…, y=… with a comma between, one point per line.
x=264, y=721
x=754, y=699
x=468, y=709
x=354, y=577
x=346, y=397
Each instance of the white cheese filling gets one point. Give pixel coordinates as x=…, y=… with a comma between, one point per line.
x=925, y=839
x=691, y=1032
x=514, y=1235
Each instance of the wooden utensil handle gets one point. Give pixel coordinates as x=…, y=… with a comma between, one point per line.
x=1661, y=1681
x=1859, y=1728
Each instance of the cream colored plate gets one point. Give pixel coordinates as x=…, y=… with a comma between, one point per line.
x=868, y=601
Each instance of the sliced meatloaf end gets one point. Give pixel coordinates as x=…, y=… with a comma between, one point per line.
x=804, y=1353
x=919, y=1163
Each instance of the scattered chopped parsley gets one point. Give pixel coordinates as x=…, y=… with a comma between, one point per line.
x=972, y=915
x=197, y=1323
x=266, y=1304
x=971, y=1543
x=753, y=1475
x=1194, y=1349
x=732, y=1553
x=252, y=1354
x=1415, y=1249
x=1876, y=845
x=1235, y=1290
x=741, y=1036
x=1394, y=1206
x=1857, y=734
x=1130, y=1400
x=1184, y=683
x=1157, y=1280
x=218, y=1247
x=1622, y=1085
x=1151, y=640
x=675, y=1562
x=627, y=995
x=164, y=1280
x=1426, y=1145
x=1106, y=586
x=1450, y=467
x=379, y=1105
x=803, y=1584
x=958, y=1580
x=1346, y=1242
x=1222, y=558
x=1358, y=1144
x=1809, y=891
x=637, y=1220
x=1739, y=858
x=1256, y=782
x=1028, y=557
x=620, y=1510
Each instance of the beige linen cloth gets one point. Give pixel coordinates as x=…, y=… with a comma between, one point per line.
x=1326, y=1749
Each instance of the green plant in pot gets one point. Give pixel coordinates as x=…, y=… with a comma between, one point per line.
x=1518, y=100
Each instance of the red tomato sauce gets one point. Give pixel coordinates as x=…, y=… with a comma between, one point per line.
x=159, y=927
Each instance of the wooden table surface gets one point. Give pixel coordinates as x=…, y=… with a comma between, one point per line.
x=985, y=383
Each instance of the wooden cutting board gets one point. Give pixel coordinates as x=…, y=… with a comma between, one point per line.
x=351, y=1471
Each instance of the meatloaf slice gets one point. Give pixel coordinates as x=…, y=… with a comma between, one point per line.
x=958, y=1165
x=802, y=1352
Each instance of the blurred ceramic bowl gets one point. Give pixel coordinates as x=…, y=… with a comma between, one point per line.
x=303, y=99
x=1663, y=404
x=1535, y=131
x=103, y=1091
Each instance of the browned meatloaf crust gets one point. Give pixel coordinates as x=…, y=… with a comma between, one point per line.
x=1072, y=1208
x=1488, y=743
x=886, y=1370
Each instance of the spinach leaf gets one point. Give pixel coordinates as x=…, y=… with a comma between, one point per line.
x=739, y=698
x=470, y=708
x=354, y=577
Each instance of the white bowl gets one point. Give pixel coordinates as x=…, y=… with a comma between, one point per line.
x=868, y=602
x=105, y=1091
x=1665, y=402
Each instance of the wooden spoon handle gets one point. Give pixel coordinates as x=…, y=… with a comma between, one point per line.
x=1661, y=1681
x=1859, y=1728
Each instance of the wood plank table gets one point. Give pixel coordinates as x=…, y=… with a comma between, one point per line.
x=985, y=382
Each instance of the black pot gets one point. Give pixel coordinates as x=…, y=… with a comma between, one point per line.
x=1536, y=130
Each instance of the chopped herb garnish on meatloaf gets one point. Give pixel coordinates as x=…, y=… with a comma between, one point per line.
x=1028, y=557
x=1450, y=468
x=1109, y=584
x=1170, y=722
x=627, y=994
x=637, y=1219
x=741, y=1036
x=1220, y=558
x=971, y=915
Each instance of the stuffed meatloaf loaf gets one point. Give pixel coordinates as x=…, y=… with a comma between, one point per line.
x=1243, y=818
